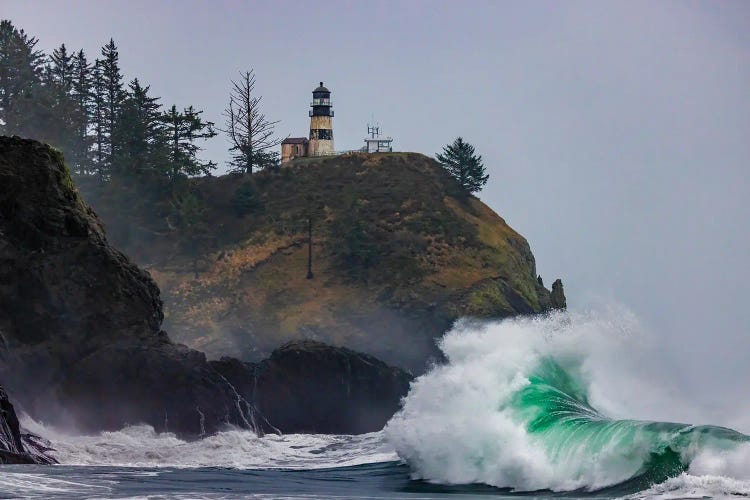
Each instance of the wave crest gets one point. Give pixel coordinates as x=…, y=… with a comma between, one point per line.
x=512, y=409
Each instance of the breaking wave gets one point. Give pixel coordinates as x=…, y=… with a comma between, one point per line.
x=523, y=405
x=519, y=406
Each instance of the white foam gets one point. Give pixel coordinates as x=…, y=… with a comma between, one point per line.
x=733, y=463
x=141, y=446
x=38, y=485
x=456, y=426
x=690, y=486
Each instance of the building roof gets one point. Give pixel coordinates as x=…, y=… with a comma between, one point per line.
x=295, y=140
x=321, y=88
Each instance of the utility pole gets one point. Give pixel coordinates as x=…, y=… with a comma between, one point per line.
x=309, y=248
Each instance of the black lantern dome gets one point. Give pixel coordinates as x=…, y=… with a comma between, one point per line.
x=321, y=103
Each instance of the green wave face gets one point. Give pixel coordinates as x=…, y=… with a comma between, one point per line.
x=512, y=408
x=555, y=410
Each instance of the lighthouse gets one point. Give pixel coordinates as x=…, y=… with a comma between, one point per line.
x=321, y=123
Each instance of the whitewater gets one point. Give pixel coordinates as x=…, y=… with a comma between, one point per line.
x=542, y=404
x=566, y=404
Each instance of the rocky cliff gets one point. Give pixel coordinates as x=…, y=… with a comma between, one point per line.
x=80, y=324
x=398, y=253
x=81, y=341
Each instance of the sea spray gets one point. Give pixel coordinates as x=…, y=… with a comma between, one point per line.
x=515, y=406
x=534, y=403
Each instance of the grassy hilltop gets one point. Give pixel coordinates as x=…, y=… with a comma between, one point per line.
x=399, y=252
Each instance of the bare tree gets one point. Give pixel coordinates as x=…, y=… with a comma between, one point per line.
x=250, y=132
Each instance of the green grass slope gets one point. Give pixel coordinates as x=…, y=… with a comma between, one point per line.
x=398, y=254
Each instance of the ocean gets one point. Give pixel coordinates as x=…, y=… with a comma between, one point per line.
x=540, y=407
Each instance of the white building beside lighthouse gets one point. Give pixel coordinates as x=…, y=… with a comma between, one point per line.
x=375, y=143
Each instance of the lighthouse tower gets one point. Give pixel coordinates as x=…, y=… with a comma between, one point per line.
x=321, y=123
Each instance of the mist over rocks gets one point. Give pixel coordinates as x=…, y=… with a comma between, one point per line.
x=399, y=252
x=82, y=344
x=81, y=324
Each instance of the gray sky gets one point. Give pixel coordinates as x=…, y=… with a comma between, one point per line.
x=617, y=134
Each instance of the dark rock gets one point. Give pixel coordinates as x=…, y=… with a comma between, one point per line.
x=168, y=386
x=17, y=448
x=557, y=296
x=81, y=340
x=80, y=324
x=308, y=386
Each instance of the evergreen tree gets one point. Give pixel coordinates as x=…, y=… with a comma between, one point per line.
x=81, y=93
x=60, y=69
x=114, y=95
x=247, y=198
x=98, y=121
x=183, y=129
x=459, y=160
x=193, y=234
x=139, y=134
x=268, y=160
x=84, y=110
x=21, y=67
x=57, y=96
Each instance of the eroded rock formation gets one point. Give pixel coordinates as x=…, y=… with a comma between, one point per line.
x=80, y=323
x=308, y=386
x=82, y=343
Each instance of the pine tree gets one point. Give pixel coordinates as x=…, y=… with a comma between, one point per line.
x=267, y=160
x=21, y=67
x=84, y=110
x=98, y=121
x=57, y=96
x=60, y=69
x=139, y=134
x=114, y=95
x=183, y=129
x=459, y=160
x=81, y=93
x=193, y=234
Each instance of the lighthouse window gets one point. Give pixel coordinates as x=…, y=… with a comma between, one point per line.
x=321, y=133
x=322, y=111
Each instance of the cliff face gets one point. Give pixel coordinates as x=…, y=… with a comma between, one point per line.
x=398, y=254
x=81, y=340
x=80, y=324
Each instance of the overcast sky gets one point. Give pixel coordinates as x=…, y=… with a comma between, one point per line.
x=616, y=134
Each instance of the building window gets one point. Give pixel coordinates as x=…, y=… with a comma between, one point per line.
x=321, y=111
x=321, y=133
